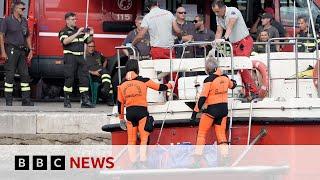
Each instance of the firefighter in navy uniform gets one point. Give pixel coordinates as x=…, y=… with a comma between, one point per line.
x=15, y=42
x=97, y=64
x=73, y=39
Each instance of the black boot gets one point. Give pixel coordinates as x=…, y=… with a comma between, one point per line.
x=85, y=101
x=110, y=100
x=67, y=103
x=26, y=99
x=8, y=96
x=105, y=88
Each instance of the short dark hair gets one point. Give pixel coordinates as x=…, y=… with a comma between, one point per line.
x=152, y=3
x=219, y=3
x=132, y=65
x=303, y=17
x=139, y=17
x=201, y=17
x=69, y=14
x=15, y=4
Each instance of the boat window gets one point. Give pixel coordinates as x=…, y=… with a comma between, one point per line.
x=287, y=11
x=2, y=6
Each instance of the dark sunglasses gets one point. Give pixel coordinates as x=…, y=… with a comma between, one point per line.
x=195, y=21
x=182, y=12
x=22, y=9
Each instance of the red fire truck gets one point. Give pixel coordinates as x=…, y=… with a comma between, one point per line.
x=112, y=20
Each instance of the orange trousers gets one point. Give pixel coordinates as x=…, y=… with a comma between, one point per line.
x=205, y=124
x=132, y=140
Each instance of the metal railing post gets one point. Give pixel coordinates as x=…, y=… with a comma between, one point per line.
x=268, y=64
x=119, y=70
x=297, y=67
x=171, y=73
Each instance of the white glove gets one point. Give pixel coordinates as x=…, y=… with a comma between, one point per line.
x=129, y=44
x=219, y=40
x=123, y=124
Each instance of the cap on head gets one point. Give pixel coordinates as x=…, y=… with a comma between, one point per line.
x=266, y=16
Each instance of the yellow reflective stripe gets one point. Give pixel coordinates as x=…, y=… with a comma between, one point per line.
x=110, y=92
x=78, y=40
x=8, y=89
x=24, y=84
x=8, y=85
x=106, y=80
x=74, y=53
x=25, y=89
x=86, y=36
x=309, y=44
x=83, y=89
x=105, y=76
x=66, y=89
x=63, y=36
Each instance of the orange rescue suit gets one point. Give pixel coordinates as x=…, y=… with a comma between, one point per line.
x=132, y=94
x=214, y=97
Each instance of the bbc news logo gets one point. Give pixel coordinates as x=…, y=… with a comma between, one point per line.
x=59, y=162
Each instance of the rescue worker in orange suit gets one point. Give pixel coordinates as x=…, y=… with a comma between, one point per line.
x=230, y=19
x=132, y=94
x=73, y=39
x=214, y=97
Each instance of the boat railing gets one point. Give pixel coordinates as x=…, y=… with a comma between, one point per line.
x=214, y=44
x=135, y=56
x=295, y=42
x=275, y=43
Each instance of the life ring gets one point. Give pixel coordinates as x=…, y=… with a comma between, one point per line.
x=264, y=78
x=315, y=74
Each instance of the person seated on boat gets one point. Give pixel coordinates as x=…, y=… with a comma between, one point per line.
x=214, y=98
x=304, y=31
x=132, y=95
x=187, y=30
x=98, y=75
x=266, y=20
x=269, y=9
x=143, y=46
x=263, y=37
x=202, y=34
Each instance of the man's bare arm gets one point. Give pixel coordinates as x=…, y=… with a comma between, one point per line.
x=219, y=32
x=139, y=36
x=29, y=42
x=230, y=25
x=2, y=42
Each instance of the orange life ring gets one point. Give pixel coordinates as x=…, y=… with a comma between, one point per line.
x=315, y=74
x=263, y=70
